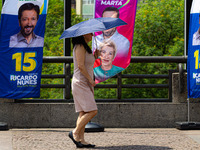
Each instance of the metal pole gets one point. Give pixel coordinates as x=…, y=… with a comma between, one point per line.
x=67, y=82
x=185, y=28
x=67, y=24
x=67, y=44
x=188, y=4
x=119, y=86
x=185, y=31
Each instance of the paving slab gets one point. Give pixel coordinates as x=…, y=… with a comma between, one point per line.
x=194, y=134
x=6, y=140
x=111, y=139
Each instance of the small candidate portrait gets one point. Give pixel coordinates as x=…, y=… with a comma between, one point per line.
x=196, y=35
x=122, y=42
x=106, y=70
x=28, y=15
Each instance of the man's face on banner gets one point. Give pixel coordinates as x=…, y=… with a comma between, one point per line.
x=108, y=33
x=28, y=22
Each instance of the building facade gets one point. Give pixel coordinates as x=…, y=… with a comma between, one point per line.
x=85, y=8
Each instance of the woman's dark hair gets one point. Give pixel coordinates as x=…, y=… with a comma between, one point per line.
x=81, y=41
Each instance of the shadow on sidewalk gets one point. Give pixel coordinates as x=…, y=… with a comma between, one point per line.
x=134, y=147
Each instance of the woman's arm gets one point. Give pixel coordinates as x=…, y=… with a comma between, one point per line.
x=80, y=57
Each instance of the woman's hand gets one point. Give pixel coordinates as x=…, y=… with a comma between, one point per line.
x=96, y=53
x=92, y=82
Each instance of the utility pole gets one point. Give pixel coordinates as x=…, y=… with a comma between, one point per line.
x=67, y=47
x=67, y=24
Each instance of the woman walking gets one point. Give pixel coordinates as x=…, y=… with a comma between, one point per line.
x=83, y=88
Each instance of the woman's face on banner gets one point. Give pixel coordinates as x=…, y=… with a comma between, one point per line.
x=28, y=22
x=107, y=56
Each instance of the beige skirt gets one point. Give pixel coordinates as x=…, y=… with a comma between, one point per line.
x=83, y=94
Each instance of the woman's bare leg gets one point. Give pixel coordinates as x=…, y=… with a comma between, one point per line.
x=83, y=119
x=76, y=135
x=82, y=137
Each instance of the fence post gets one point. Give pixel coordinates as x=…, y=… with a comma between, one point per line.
x=67, y=81
x=119, y=86
x=181, y=82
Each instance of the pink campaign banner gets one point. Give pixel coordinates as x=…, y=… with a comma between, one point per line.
x=115, y=44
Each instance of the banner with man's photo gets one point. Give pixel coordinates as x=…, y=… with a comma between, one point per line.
x=115, y=45
x=193, y=62
x=22, y=30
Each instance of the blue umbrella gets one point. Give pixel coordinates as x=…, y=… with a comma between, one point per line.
x=92, y=25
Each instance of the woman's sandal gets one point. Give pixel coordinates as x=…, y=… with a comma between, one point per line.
x=88, y=145
x=78, y=144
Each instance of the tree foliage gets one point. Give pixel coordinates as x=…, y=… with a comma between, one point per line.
x=159, y=28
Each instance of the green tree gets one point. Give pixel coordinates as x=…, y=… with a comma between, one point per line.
x=159, y=31
x=159, y=28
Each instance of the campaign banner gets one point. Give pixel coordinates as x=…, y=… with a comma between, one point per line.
x=193, y=62
x=115, y=45
x=22, y=30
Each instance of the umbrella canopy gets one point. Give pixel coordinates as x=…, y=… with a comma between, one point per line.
x=92, y=25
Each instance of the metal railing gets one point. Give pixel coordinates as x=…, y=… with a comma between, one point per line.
x=67, y=60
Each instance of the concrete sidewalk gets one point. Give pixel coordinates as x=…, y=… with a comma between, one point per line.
x=111, y=139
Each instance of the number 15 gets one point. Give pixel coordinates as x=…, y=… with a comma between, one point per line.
x=28, y=59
